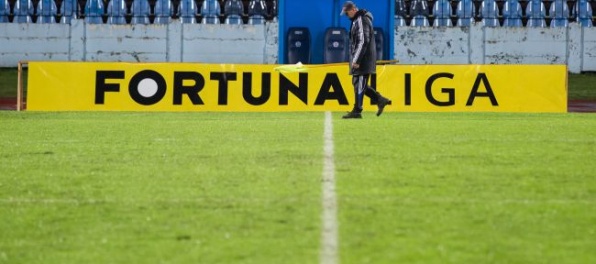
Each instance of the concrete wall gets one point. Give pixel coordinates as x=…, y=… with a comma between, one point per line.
x=175, y=42
x=574, y=46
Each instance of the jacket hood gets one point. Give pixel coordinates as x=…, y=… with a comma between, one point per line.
x=363, y=12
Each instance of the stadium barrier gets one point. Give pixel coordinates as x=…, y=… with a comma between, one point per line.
x=573, y=45
x=79, y=86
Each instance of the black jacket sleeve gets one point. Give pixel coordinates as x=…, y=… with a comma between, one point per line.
x=362, y=39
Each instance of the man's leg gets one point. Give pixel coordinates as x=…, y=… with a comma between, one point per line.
x=377, y=97
x=359, y=82
x=372, y=94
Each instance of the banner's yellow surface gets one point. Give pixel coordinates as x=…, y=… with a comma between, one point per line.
x=95, y=86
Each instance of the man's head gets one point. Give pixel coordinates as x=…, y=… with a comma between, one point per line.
x=349, y=8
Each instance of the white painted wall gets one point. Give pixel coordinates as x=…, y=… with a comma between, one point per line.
x=574, y=46
x=35, y=41
x=174, y=42
x=588, y=49
x=258, y=44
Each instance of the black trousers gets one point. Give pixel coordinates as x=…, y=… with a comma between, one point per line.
x=361, y=89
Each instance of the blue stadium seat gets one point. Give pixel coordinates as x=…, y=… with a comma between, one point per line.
x=582, y=11
x=210, y=19
x=401, y=12
x=490, y=13
x=187, y=10
x=298, y=45
x=380, y=42
x=234, y=10
x=23, y=9
x=336, y=45
x=69, y=9
x=234, y=20
x=559, y=12
x=140, y=12
x=117, y=12
x=419, y=12
x=442, y=12
x=163, y=12
x=257, y=11
x=400, y=21
x=419, y=21
x=94, y=10
x=536, y=12
x=512, y=12
x=46, y=11
x=210, y=10
x=465, y=13
x=400, y=8
x=233, y=7
x=4, y=11
x=256, y=20
x=274, y=10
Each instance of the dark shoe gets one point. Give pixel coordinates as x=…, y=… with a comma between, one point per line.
x=381, y=104
x=352, y=115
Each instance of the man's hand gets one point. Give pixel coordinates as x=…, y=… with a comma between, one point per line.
x=355, y=65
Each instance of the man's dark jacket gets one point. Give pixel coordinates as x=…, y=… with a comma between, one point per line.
x=362, y=43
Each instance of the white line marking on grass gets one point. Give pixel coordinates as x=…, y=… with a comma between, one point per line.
x=329, y=232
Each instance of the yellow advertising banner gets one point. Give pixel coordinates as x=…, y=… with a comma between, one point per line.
x=100, y=86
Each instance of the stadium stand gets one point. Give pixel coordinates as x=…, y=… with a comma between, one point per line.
x=94, y=11
x=489, y=12
x=419, y=12
x=187, y=10
x=298, y=45
x=559, y=11
x=582, y=11
x=401, y=12
x=512, y=12
x=442, y=13
x=233, y=10
x=117, y=12
x=257, y=10
x=210, y=10
x=466, y=11
x=4, y=11
x=22, y=11
x=336, y=45
x=536, y=14
x=163, y=12
x=46, y=11
x=140, y=12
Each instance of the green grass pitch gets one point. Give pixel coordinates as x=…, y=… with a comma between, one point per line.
x=112, y=187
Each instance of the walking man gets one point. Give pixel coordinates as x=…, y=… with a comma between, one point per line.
x=362, y=58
